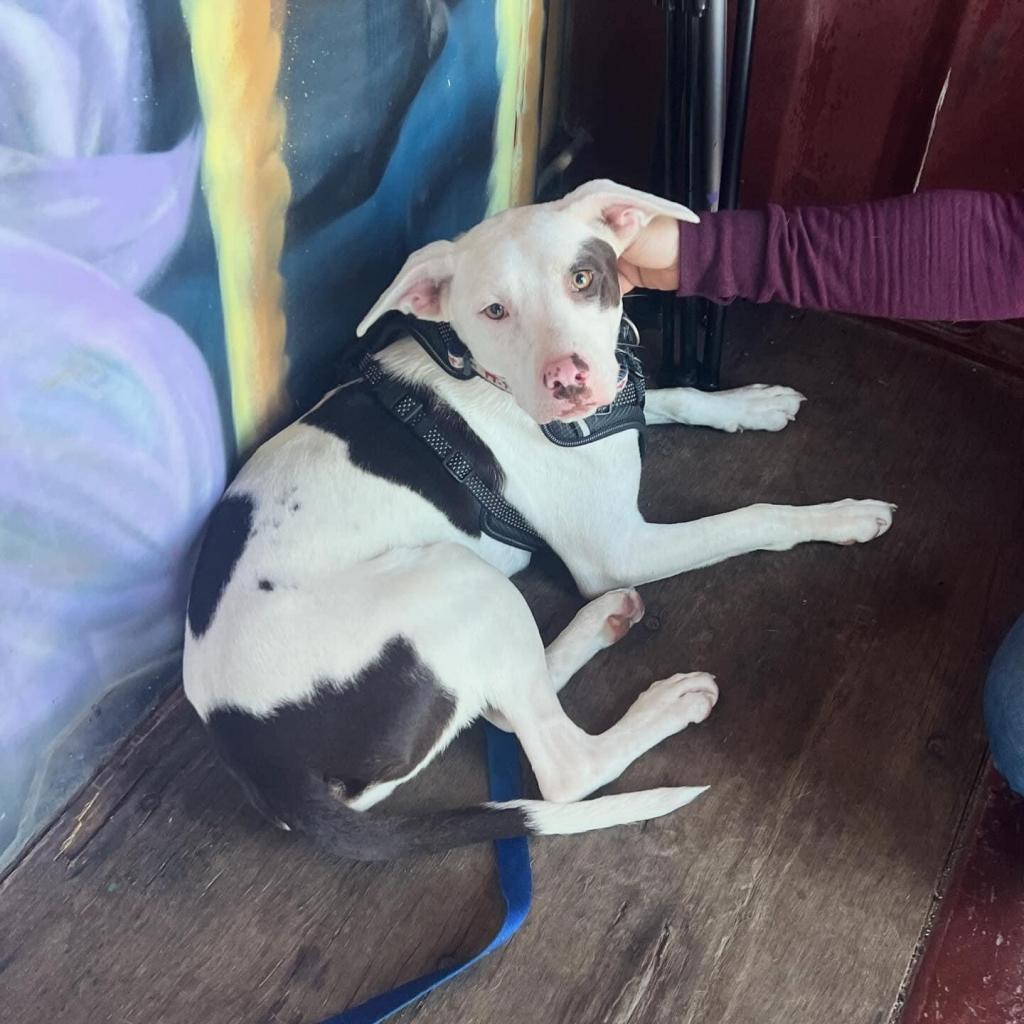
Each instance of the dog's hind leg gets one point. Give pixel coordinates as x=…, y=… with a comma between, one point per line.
x=597, y=625
x=521, y=690
x=499, y=662
x=482, y=645
x=570, y=763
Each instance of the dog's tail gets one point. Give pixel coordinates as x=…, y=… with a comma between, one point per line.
x=292, y=796
x=367, y=835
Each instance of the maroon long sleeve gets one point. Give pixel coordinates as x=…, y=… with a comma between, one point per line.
x=949, y=255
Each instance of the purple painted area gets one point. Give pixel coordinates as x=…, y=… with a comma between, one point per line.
x=115, y=457
x=111, y=445
x=973, y=966
x=75, y=77
x=123, y=213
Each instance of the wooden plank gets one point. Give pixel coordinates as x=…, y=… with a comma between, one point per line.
x=840, y=757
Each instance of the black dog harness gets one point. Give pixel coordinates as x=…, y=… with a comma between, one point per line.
x=498, y=518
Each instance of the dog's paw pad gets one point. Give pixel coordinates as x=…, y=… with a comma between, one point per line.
x=626, y=610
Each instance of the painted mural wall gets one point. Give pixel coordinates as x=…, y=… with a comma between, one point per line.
x=197, y=204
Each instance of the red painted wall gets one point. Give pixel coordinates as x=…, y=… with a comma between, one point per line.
x=979, y=136
x=843, y=95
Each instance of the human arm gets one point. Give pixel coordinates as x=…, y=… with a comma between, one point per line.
x=945, y=255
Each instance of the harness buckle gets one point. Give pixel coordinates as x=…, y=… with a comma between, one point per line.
x=457, y=465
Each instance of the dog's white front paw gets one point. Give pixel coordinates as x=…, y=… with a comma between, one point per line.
x=756, y=407
x=850, y=521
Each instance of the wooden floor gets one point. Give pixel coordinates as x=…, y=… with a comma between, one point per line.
x=841, y=758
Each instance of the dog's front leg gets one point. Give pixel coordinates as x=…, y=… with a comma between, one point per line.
x=641, y=552
x=754, y=407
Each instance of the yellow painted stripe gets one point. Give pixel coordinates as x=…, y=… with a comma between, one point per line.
x=236, y=54
x=520, y=25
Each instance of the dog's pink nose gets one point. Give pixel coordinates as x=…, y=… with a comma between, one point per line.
x=567, y=376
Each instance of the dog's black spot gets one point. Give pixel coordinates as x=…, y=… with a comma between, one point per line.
x=374, y=727
x=266, y=585
x=227, y=532
x=378, y=443
x=296, y=507
x=598, y=257
x=572, y=392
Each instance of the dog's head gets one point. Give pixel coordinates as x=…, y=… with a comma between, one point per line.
x=534, y=294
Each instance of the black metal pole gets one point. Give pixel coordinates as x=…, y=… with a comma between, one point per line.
x=670, y=183
x=739, y=93
x=713, y=48
x=732, y=160
x=688, y=368
x=670, y=116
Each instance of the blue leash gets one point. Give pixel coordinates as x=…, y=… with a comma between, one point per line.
x=513, y=860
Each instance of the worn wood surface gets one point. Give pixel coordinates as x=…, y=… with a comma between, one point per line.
x=841, y=757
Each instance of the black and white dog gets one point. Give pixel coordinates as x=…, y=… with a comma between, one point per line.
x=349, y=616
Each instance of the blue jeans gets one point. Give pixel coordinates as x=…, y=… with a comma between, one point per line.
x=1004, y=707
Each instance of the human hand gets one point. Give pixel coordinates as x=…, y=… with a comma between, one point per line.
x=652, y=261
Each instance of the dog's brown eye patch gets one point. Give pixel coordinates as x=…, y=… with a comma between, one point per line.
x=594, y=274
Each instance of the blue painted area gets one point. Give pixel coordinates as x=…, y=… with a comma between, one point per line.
x=434, y=186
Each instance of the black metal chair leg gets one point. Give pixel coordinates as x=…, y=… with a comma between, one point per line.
x=689, y=359
x=670, y=322
x=732, y=159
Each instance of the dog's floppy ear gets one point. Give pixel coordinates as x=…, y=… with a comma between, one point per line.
x=419, y=288
x=623, y=211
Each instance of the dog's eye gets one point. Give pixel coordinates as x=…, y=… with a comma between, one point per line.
x=495, y=311
x=582, y=280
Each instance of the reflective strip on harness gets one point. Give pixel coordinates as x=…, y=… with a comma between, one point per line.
x=499, y=518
